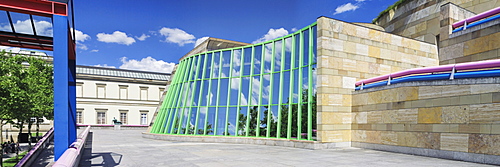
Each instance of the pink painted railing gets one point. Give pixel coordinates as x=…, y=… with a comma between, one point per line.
x=477, y=17
x=30, y=157
x=72, y=155
x=424, y=70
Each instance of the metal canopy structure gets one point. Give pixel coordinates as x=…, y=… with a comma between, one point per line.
x=45, y=25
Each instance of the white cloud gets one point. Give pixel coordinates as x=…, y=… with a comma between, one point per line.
x=117, y=37
x=43, y=28
x=95, y=50
x=346, y=7
x=81, y=46
x=142, y=37
x=147, y=64
x=104, y=65
x=359, y=0
x=200, y=40
x=294, y=29
x=80, y=36
x=272, y=34
x=177, y=36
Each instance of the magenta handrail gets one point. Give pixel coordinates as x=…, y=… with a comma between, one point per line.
x=477, y=17
x=73, y=153
x=443, y=68
x=33, y=153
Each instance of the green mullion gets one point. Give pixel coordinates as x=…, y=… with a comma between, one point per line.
x=217, y=99
x=239, y=91
x=301, y=62
x=174, y=86
x=209, y=89
x=250, y=96
x=229, y=90
x=290, y=97
x=262, y=64
x=280, y=96
x=185, y=85
x=192, y=94
x=180, y=88
x=158, y=126
x=310, y=86
x=200, y=93
x=271, y=78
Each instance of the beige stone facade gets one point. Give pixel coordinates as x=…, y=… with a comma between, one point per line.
x=349, y=52
x=446, y=116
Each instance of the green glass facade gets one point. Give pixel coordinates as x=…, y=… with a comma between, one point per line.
x=261, y=90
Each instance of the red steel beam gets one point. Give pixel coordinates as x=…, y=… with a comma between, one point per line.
x=35, y=7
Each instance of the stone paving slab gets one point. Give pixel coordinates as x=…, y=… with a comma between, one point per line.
x=128, y=148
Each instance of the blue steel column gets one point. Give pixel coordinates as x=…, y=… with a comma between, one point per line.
x=64, y=88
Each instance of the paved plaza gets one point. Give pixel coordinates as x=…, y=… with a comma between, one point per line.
x=128, y=148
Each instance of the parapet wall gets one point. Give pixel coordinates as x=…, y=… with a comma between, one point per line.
x=455, y=119
x=419, y=19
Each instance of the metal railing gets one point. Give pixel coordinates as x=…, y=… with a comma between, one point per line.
x=42, y=144
x=72, y=155
x=476, y=20
x=474, y=70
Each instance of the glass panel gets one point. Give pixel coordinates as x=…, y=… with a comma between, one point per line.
x=267, y=57
x=274, y=120
x=205, y=97
x=255, y=90
x=192, y=119
x=231, y=124
x=226, y=62
x=242, y=121
x=201, y=120
x=22, y=23
x=263, y=120
x=266, y=87
x=285, y=87
x=196, y=93
x=284, y=120
x=296, y=86
x=288, y=53
x=43, y=26
x=194, y=68
x=247, y=61
x=252, y=122
x=245, y=86
x=213, y=92
x=305, y=78
x=235, y=87
x=256, y=59
x=224, y=84
x=296, y=56
x=314, y=44
x=236, y=63
x=211, y=121
x=216, y=70
x=4, y=22
x=294, y=120
x=221, y=121
x=208, y=66
x=276, y=87
x=185, y=117
x=305, y=36
x=202, y=66
x=277, y=55
x=314, y=78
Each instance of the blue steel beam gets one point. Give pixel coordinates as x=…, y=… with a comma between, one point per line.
x=64, y=87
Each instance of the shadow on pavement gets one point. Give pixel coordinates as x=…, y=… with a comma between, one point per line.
x=104, y=159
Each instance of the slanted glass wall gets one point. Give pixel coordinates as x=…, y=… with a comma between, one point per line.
x=261, y=90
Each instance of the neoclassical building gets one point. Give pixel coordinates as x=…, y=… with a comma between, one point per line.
x=130, y=96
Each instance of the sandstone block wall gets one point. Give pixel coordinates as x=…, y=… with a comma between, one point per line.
x=348, y=53
x=461, y=118
x=472, y=44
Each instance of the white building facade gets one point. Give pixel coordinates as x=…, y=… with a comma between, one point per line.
x=129, y=96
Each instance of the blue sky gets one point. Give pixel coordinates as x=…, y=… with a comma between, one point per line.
x=152, y=35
